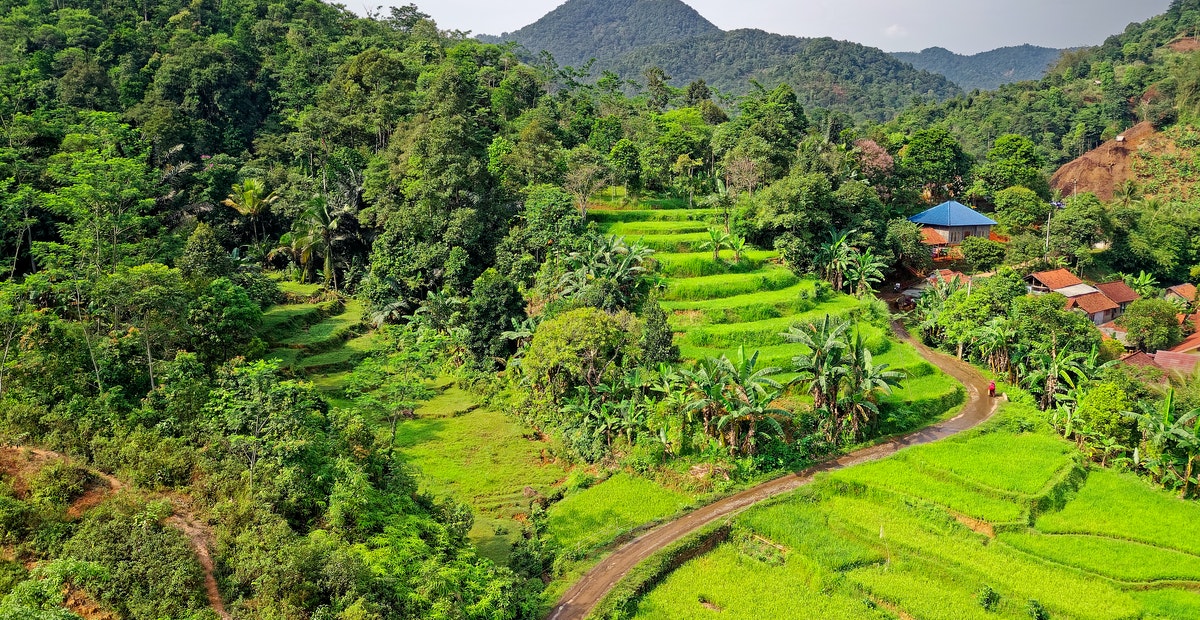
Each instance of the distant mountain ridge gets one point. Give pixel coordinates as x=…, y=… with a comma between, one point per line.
x=629, y=36
x=985, y=70
x=859, y=80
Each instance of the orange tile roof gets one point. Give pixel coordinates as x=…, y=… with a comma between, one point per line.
x=1059, y=278
x=948, y=275
x=1119, y=292
x=1179, y=362
x=1190, y=345
x=1093, y=303
x=933, y=237
x=1186, y=291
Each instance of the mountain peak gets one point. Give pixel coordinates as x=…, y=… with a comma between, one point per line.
x=579, y=30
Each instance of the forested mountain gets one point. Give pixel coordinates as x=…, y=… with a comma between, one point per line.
x=579, y=30
x=858, y=80
x=1088, y=96
x=630, y=37
x=985, y=70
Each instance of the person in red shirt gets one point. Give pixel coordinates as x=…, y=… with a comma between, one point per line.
x=992, y=389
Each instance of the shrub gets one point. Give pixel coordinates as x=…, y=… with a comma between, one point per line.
x=1037, y=611
x=989, y=599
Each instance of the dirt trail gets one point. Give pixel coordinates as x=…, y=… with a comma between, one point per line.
x=587, y=592
x=182, y=519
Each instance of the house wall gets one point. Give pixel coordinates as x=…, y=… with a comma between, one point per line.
x=956, y=234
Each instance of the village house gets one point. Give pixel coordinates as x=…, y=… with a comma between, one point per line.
x=1183, y=292
x=950, y=222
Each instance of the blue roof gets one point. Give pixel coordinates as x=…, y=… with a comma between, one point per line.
x=952, y=214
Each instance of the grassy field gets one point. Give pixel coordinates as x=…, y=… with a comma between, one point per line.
x=923, y=533
x=591, y=518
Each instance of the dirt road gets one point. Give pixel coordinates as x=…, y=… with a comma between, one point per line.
x=587, y=592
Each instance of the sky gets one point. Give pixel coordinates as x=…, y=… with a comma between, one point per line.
x=963, y=26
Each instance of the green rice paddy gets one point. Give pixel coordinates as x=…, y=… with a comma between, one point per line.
x=923, y=533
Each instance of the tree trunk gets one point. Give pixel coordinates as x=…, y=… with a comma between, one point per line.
x=1187, y=478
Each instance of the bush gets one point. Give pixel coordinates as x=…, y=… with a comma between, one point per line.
x=59, y=483
x=1037, y=611
x=989, y=599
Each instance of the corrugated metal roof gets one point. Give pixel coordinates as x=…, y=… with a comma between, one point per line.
x=1077, y=290
x=952, y=213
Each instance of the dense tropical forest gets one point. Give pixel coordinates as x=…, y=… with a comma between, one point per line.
x=311, y=315
x=985, y=70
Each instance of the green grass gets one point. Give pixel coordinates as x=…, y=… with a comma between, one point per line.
x=1023, y=463
x=682, y=242
x=735, y=585
x=657, y=227
x=1119, y=559
x=349, y=353
x=897, y=475
x=719, y=286
x=783, y=297
x=1121, y=505
x=895, y=532
x=769, y=332
x=332, y=331
x=700, y=264
x=595, y=516
x=482, y=458
x=296, y=289
x=281, y=321
x=609, y=216
x=453, y=401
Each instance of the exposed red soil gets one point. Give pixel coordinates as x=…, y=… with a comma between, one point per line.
x=1185, y=45
x=80, y=604
x=18, y=463
x=1103, y=169
x=579, y=600
x=977, y=526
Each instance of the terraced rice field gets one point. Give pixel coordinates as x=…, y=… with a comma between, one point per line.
x=922, y=534
x=717, y=306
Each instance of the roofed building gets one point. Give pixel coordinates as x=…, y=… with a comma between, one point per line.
x=951, y=222
x=1185, y=292
x=1120, y=293
x=1099, y=308
x=1051, y=281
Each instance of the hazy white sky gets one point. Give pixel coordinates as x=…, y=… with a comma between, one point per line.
x=964, y=26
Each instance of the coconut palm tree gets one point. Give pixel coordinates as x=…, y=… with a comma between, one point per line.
x=250, y=199
x=321, y=232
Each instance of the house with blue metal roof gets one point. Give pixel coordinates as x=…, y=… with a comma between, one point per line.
x=951, y=222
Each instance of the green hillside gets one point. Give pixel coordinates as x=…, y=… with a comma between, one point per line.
x=858, y=80
x=985, y=70
x=579, y=30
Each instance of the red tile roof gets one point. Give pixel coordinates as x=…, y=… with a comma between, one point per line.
x=1119, y=292
x=1186, y=291
x=948, y=275
x=1139, y=359
x=1179, y=362
x=1093, y=303
x=933, y=237
x=1191, y=345
x=1059, y=278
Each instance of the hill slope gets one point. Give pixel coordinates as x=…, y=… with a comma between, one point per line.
x=603, y=29
x=860, y=80
x=985, y=70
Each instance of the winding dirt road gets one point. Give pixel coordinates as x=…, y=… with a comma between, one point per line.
x=587, y=592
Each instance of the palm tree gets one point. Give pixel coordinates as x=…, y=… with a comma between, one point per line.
x=993, y=340
x=716, y=242
x=321, y=234
x=1163, y=429
x=835, y=257
x=250, y=199
x=296, y=247
x=823, y=369
x=1050, y=370
x=866, y=380
x=864, y=270
x=747, y=398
